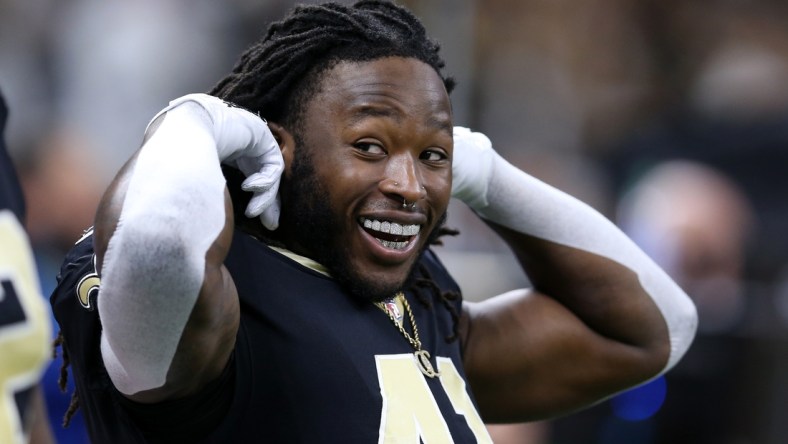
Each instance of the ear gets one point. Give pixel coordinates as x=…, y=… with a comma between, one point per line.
x=286, y=143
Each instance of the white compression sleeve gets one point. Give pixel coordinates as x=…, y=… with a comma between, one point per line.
x=502, y=193
x=155, y=261
x=172, y=212
x=243, y=140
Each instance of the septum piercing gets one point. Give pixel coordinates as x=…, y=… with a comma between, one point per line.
x=405, y=204
x=405, y=201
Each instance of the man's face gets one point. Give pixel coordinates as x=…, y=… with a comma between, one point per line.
x=376, y=134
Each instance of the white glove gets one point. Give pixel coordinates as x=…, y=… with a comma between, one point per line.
x=472, y=167
x=243, y=140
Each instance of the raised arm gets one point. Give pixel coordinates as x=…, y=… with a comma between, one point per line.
x=602, y=316
x=168, y=306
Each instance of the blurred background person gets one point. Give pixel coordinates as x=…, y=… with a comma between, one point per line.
x=24, y=323
x=697, y=223
x=62, y=186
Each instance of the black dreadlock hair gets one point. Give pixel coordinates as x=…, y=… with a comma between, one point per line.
x=62, y=380
x=277, y=75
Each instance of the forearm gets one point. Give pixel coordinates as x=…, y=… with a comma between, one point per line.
x=574, y=254
x=162, y=234
x=605, y=295
x=526, y=205
x=154, y=265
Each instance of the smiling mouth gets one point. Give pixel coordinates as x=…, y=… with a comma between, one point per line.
x=390, y=234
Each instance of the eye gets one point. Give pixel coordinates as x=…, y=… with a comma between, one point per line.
x=433, y=155
x=370, y=147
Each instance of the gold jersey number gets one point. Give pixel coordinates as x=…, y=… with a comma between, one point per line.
x=24, y=326
x=410, y=413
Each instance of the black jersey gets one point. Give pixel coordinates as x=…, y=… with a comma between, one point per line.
x=11, y=197
x=24, y=322
x=74, y=306
x=311, y=364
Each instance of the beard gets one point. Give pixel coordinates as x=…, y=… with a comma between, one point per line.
x=313, y=226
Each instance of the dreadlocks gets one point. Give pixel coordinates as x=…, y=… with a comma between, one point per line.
x=279, y=73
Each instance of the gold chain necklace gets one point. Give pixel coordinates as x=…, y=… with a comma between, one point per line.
x=422, y=356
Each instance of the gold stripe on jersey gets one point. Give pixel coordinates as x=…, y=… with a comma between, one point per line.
x=303, y=260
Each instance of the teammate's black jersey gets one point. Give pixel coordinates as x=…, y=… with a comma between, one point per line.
x=10, y=193
x=24, y=321
x=311, y=364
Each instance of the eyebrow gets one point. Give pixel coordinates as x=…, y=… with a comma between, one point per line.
x=441, y=124
x=362, y=112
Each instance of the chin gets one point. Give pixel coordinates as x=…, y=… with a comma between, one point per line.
x=371, y=287
x=366, y=289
